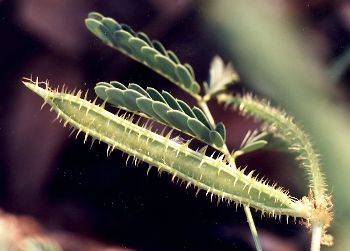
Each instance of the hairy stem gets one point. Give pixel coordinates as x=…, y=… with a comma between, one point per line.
x=281, y=125
x=203, y=104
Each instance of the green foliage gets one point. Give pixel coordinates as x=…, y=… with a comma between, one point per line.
x=140, y=47
x=221, y=77
x=217, y=174
x=164, y=108
x=281, y=125
x=212, y=174
x=252, y=142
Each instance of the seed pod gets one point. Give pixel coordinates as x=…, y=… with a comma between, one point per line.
x=212, y=175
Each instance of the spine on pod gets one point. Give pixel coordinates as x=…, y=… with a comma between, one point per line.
x=212, y=175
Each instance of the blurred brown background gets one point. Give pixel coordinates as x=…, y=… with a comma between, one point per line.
x=87, y=201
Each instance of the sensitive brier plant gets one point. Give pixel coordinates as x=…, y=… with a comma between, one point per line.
x=211, y=168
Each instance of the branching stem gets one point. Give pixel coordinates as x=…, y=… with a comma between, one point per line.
x=203, y=105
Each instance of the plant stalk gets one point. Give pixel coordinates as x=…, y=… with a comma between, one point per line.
x=253, y=228
x=203, y=105
x=316, y=236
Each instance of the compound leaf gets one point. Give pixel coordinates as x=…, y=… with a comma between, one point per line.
x=139, y=47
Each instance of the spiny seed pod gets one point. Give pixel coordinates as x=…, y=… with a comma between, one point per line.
x=213, y=175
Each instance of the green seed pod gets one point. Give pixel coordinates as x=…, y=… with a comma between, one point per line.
x=210, y=174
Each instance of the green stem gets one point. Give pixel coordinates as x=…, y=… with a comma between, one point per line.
x=316, y=236
x=203, y=104
x=253, y=228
